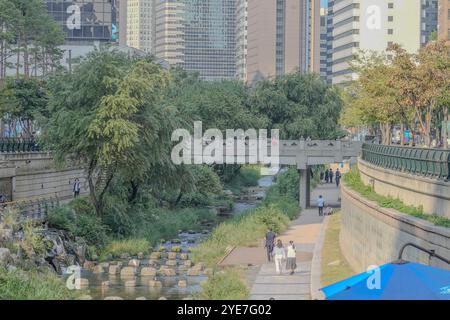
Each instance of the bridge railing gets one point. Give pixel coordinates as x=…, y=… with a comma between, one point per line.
x=18, y=145
x=434, y=163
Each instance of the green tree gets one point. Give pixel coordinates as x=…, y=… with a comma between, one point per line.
x=29, y=33
x=375, y=98
x=299, y=105
x=21, y=102
x=109, y=114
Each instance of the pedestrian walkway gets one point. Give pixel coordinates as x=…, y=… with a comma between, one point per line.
x=304, y=232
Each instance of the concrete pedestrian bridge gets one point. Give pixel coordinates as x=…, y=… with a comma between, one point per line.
x=300, y=153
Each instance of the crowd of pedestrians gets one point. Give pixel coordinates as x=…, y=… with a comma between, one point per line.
x=328, y=175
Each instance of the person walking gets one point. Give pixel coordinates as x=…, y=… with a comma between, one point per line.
x=331, y=175
x=279, y=256
x=291, y=263
x=320, y=204
x=338, y=177
x=322, y=176
x=76, y=188
x=270, y=243
x=327, y=176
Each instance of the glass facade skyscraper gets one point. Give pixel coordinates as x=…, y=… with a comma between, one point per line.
x=209, y=38
x=198, y=35
x=85, y=21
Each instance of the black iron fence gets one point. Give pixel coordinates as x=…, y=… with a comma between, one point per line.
x=18, y=145
x=434, y=163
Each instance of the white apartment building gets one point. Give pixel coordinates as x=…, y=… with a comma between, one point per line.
x=373, y=25
x=140, y=25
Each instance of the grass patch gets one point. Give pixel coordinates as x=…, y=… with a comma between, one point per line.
x=242, y=230
x=334, y=265
x=33, y=285
x=352, y=179
x=224, y=285
x=129, y=246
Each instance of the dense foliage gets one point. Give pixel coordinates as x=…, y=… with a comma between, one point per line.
x=401, y=88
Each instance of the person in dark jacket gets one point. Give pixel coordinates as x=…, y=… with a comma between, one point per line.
x=338, y=177
x=327, y=176
x=270, y=243
x=330, y=174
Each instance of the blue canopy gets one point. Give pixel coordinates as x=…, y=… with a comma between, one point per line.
x=399, y=280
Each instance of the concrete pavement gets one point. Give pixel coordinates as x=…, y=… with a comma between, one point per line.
x=304, y=231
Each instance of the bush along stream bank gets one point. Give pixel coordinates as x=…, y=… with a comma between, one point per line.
x=122, y=256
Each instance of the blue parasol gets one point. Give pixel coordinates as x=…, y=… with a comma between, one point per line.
x=399, y=280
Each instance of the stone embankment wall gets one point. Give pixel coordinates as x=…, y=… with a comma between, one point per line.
x=371, y=235
x=35, y=175
x=413, y=190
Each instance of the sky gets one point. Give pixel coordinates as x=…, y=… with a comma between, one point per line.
x=323, y=3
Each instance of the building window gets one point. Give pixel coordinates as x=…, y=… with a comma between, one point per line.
x=390, y=31
x=391, y=5
x=390, y=18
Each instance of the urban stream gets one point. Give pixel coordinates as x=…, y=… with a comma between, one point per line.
x=166, y=274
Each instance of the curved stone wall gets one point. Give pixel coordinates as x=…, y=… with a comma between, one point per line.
x=413, y=190
x=371, y=235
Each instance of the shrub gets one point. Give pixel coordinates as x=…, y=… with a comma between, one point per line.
x=352, y=179
x=32, y=285
x=129, y=246
x=288, y=183
x=78, y=217
x=224, y=285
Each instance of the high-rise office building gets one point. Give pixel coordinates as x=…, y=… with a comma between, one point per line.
x=323, y=43
x=197, y=35
x=283, y=36
x=241, y=39
x=140, y=24
x=86, y=21
x=122, y=21
x=444, y=20
x=330, y=41
x=373, y=25
x=169, y=34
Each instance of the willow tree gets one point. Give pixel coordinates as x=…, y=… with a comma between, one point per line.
x=110, y=116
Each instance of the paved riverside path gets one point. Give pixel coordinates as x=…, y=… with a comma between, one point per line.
x=304, y=232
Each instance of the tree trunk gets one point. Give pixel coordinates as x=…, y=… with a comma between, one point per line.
x=402, y=135
x=385, y=133
x=445, y=128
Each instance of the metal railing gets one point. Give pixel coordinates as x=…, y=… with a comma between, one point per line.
x=35, y=209
x=434, y=163
x=18, y=145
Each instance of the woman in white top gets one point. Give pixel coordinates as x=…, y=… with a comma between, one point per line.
x=279, y=254
x=291, y=263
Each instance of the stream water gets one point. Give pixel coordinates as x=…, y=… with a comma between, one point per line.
x=103, y=284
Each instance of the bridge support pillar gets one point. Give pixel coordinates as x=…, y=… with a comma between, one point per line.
x=304, y=190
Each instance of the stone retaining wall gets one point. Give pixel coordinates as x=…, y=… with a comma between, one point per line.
x=371, y=235
x=32, y=175
x=413, y=190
